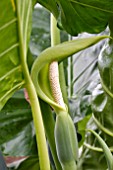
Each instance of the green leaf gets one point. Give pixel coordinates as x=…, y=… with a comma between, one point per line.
x=17, y=136
x=76, y=16
x=11, y=70
x=85, y=15
x=13, y=118
x=23, y=143
x=57, y=53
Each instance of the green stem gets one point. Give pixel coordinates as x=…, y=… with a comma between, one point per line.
x=55, y=33
x=105, y=130
x=36, y=112
x=39, y=128
x=97, y=149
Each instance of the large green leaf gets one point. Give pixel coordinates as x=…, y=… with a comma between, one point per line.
x=14, y=28
x=85, y=15
x=78, y=16
x=13, y=118
x=17, y=136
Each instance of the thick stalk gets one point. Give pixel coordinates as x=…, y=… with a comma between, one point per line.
x=36, y=112
x=39, y=128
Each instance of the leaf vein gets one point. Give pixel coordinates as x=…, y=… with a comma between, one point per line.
x=97, y=8
x=9, y=49
x=8, y=24
x=18, y=86
x=10, y=72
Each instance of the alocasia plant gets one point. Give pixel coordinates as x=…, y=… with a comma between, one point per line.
x=14, y=72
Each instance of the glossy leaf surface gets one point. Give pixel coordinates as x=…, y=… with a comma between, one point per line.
x=78, y=16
